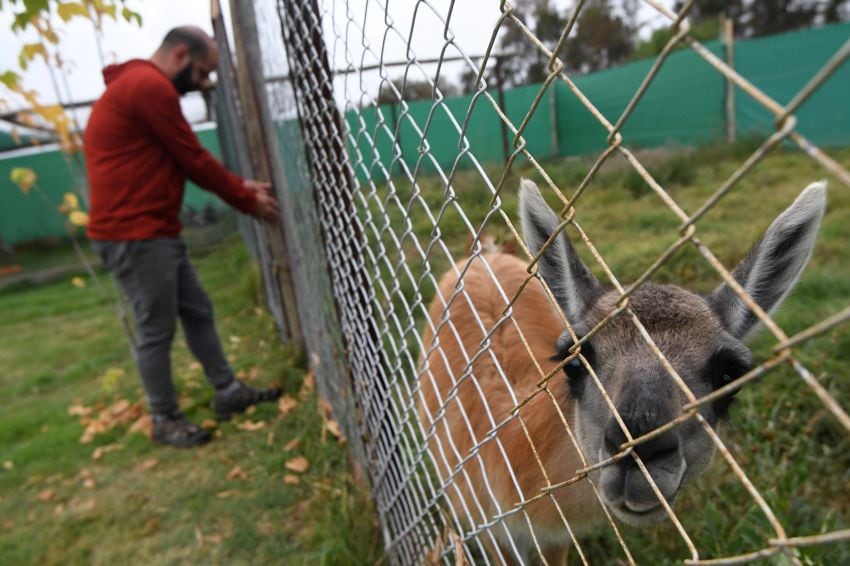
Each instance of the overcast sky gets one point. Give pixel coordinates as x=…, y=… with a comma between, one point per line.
x=472, y=23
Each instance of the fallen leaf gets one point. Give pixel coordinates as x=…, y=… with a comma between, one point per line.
x=289, y=479
x=308, y=386
x=215, y=539
x=270, y=438
x=8, y=465
x=101, y=450
x=333, y=427
x=226, y=494
x=148, y=464
x=251, y=425
x=286, y=404
x=254, y=374
x=78, y=282
x=209, y=424
x=299, y=464
x=79, y=410
x=237, y=473
x=59, y=510
x=144, y=425
x=8, y=525
x=235, y=339
x=46, y=496
x=292, y=444
x=251, y=410
x=89, y=483
x=194, y=366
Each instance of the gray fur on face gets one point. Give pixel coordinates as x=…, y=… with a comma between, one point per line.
x=700, y=337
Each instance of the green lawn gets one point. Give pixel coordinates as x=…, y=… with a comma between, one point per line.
x=62, y=347
x=63, y=501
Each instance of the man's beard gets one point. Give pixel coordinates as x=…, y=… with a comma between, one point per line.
x=183, y=82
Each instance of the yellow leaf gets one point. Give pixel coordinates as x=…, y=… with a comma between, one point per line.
x=299, y=464
x=50, y=36
x=8, y=465
x=131, y=15
x=68, y=10
x=292, y=444
x=70, y=202
x=78, y=282
x=78, y=218
x=23, y=177
x=31, y=50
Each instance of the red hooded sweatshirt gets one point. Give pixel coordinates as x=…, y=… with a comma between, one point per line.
x=139, y=151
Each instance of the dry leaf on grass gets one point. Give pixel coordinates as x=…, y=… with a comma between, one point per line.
x=121, y=412
x=89, y=483
x=209, y=424
x=251, y=425
x=237, y=473
x=8, y=465
x=225, y=494
x=46, y=496
x=144, y=425
x=286, y=404
x=59, y=510
x=330, y=425
x=299, y=464
x=289, y=479
x=79, y=410
x=148, y=464
x=292, y=444
x=308, y=386
x=101, y=450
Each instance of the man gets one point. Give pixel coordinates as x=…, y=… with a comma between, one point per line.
x=139, y=151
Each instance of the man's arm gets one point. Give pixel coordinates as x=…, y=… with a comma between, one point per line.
x=161, y=110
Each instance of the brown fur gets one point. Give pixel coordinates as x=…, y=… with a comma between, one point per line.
x=484, y=387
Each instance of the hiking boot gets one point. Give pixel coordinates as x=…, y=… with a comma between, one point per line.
x=177, y=430
x=237, y=397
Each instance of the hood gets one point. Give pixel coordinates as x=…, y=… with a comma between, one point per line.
x=112, y=72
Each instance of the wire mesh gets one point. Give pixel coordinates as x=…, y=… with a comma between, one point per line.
x=449, y=422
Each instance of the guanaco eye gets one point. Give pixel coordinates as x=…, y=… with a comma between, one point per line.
x=723, y=368
x=575, y=369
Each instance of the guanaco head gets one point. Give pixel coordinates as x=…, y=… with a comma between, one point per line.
x=702, y=338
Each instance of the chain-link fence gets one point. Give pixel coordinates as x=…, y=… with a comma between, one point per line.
x=476, y=444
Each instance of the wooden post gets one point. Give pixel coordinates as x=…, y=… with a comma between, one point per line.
x=729, y=40
x=255, y=119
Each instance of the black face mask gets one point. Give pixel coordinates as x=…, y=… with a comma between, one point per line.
x=183, y=82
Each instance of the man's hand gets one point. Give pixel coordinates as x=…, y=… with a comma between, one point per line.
x=267, y=208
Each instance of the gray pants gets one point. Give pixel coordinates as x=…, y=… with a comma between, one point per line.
x=161, y=286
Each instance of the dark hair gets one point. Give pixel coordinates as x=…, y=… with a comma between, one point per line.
x=188, y=37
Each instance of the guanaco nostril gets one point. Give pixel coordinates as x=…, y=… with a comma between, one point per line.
x=659, y=447
x=614, y=437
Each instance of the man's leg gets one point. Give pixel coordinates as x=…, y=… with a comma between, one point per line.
x=196, y=315
x=148, y=272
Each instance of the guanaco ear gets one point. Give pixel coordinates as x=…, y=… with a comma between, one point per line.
x=771, y=268
x=571, y=282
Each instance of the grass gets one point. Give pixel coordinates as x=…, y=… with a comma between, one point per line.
x=62, y=346
x=795, y=452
